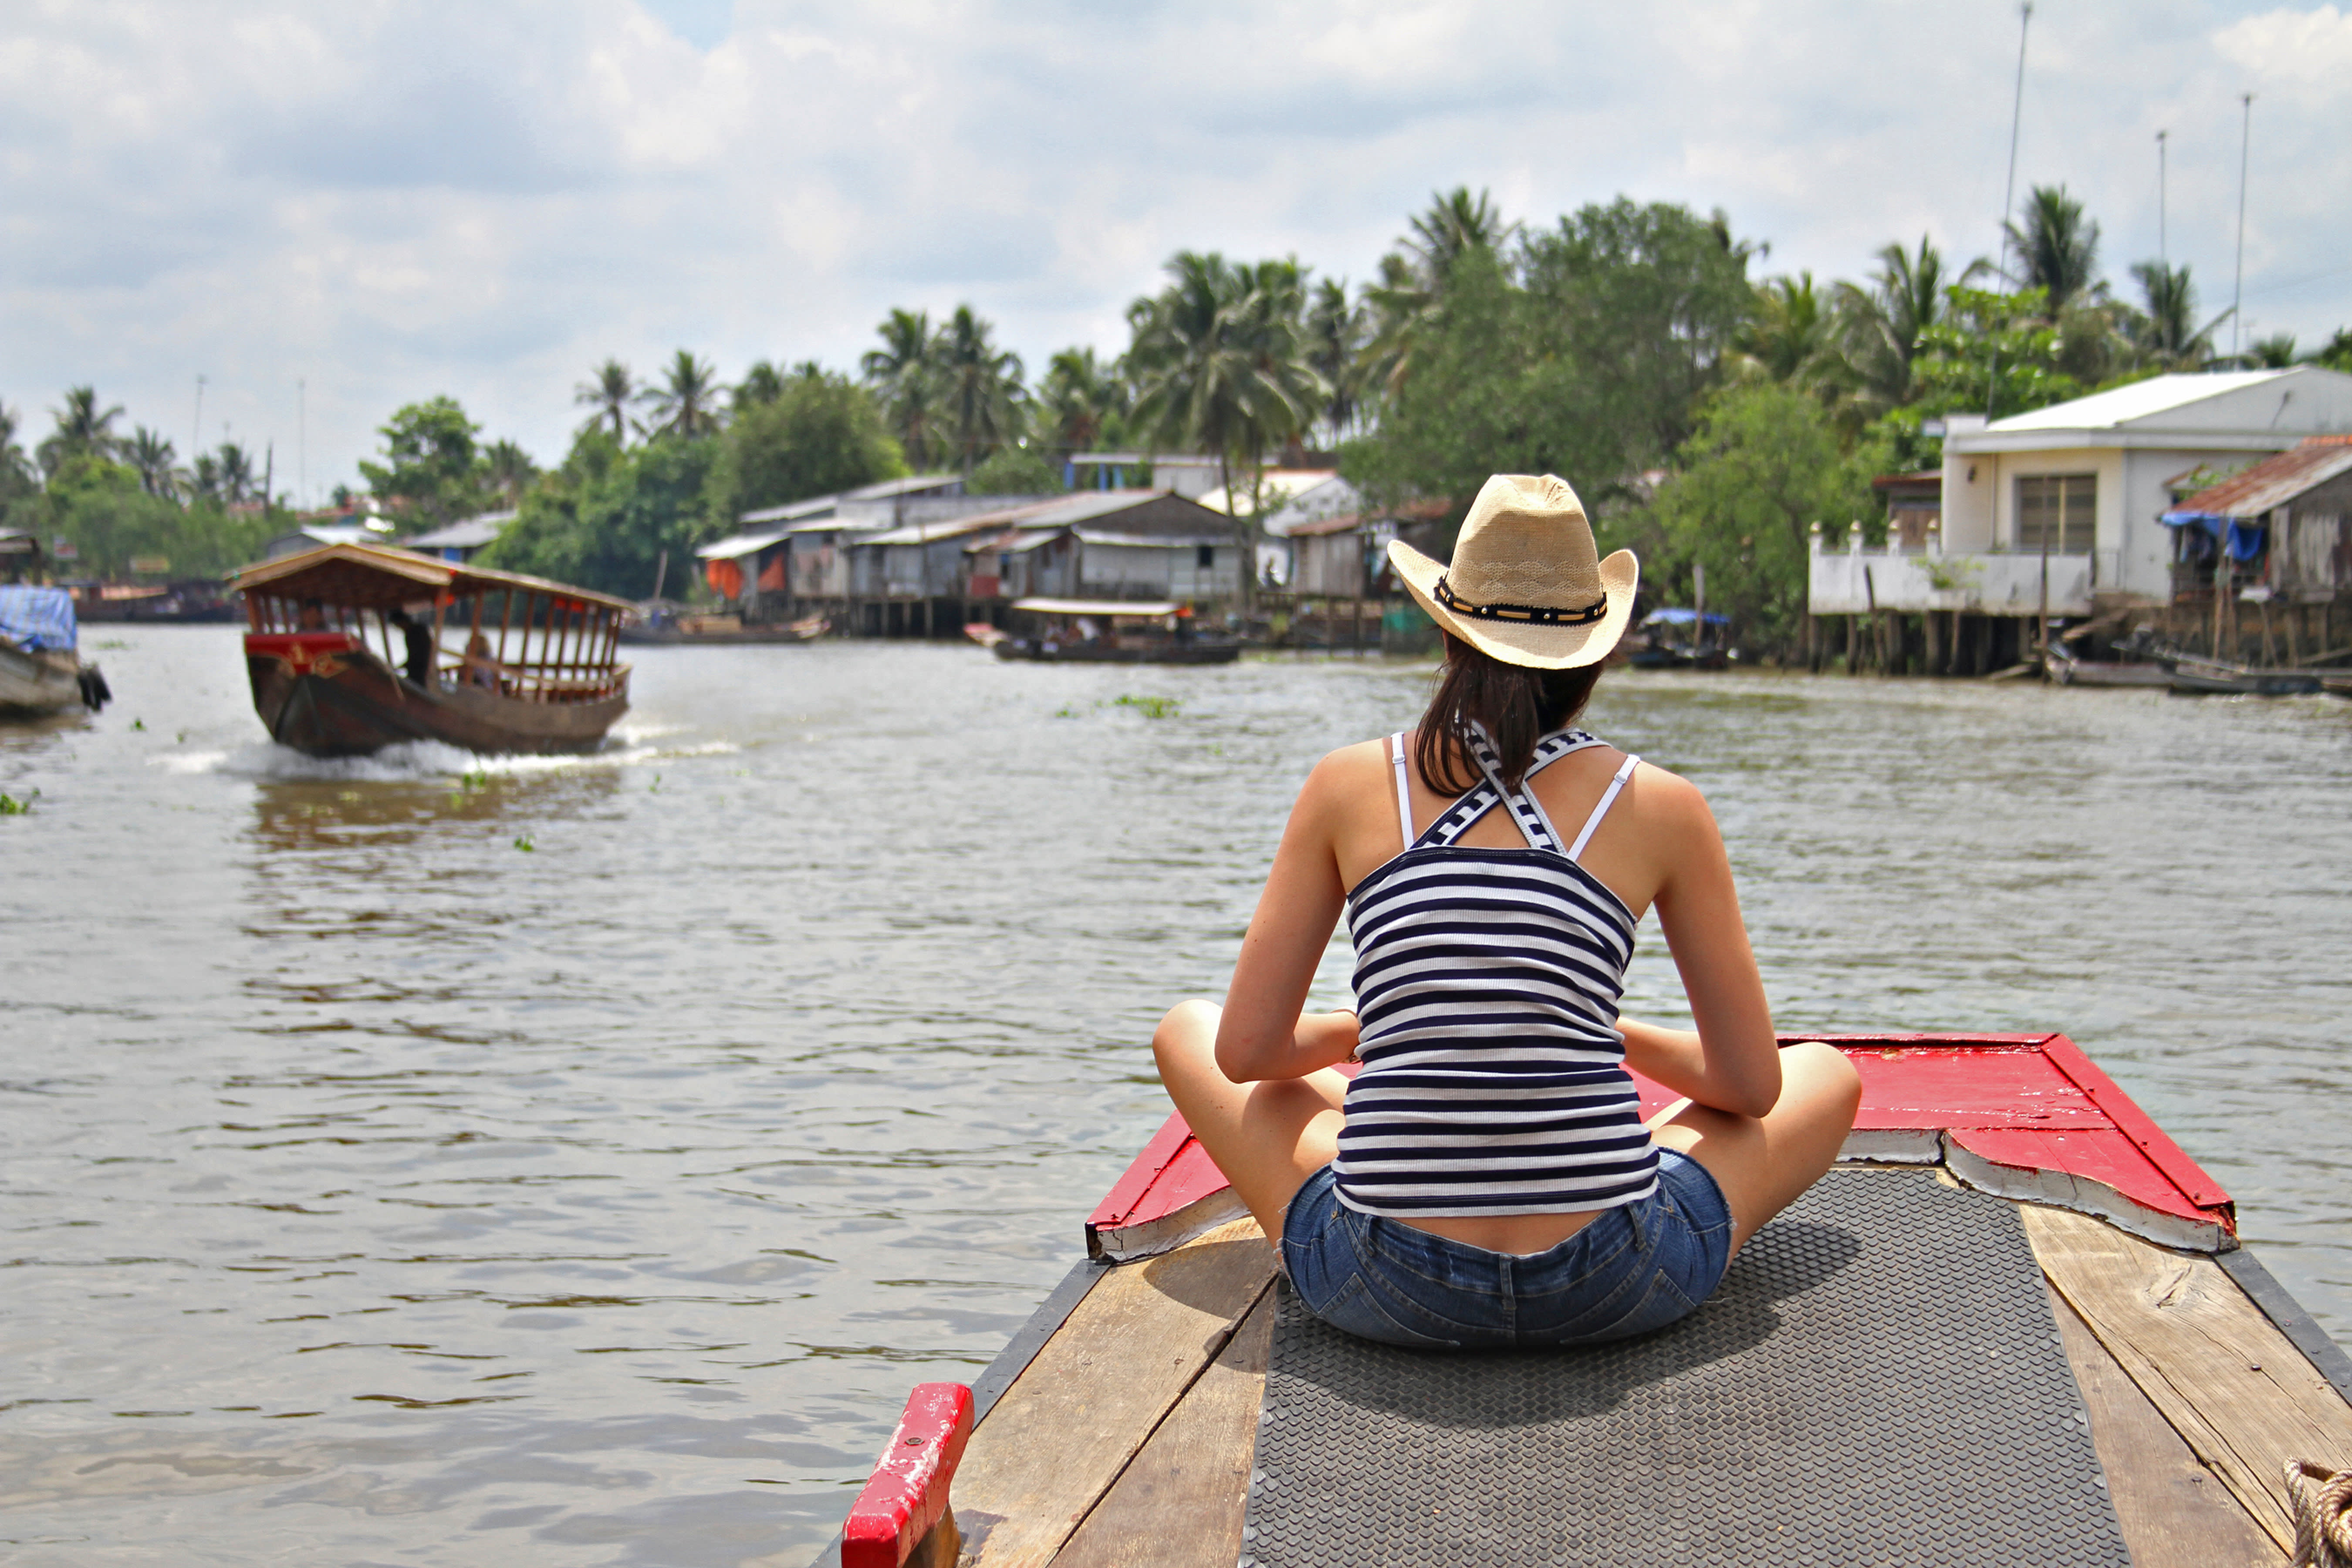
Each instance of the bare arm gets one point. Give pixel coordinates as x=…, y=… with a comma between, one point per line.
x=1262, y=1034
x=1731, y=1062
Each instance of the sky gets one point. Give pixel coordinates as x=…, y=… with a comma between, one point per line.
x=328, y=210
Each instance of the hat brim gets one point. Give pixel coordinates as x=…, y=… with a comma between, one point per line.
x=1536, y=645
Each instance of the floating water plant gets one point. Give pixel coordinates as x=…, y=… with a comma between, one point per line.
x=524, y=844
x=1151, y=707
x=11, y=806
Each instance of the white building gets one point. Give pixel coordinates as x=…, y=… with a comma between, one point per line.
x=2090, y=478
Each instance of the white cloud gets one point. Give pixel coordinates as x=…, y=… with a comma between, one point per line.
x=393, y=199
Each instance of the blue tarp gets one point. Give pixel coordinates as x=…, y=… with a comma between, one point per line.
x=1676, y=616
x=37, y=617
x=2244, y=539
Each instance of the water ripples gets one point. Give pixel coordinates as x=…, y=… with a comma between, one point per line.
x=380, y=1190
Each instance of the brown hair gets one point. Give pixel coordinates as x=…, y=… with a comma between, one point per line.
x=1518, y=707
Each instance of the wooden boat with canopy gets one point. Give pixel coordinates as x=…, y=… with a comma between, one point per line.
x=2014, y=1325
x=353, y=647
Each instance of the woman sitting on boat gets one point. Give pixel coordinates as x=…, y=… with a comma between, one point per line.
x=1486, y=1179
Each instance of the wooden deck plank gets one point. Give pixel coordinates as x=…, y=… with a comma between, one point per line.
x=2235, y=1388
x=1070, y=1423
x=2174, y=1513
x=1181, y=1503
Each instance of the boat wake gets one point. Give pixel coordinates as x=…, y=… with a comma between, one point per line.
x=424, y=762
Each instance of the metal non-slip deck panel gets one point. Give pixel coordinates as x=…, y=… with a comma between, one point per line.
x=1877, y=1380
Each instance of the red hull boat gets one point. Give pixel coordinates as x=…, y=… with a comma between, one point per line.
x=1134, y=1420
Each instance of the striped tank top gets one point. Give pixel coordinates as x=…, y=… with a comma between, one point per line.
x=1487, y=981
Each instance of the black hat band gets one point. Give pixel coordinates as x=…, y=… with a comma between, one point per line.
x=1540, y=615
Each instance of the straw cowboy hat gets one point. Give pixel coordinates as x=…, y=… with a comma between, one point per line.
x=1525, y=584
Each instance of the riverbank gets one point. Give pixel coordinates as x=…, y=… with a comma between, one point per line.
x=392, y=1191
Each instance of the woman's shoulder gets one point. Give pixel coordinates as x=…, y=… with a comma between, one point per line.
x=1351, y=763
x=1665, y=797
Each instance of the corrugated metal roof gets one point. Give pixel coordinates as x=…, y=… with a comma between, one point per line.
x=466, y=534
x=1151, y=541
x=793, y=511
x=2137, y=400
x=957, y=527
x=1107, y=609
x=741, y=544
x=2274, y=481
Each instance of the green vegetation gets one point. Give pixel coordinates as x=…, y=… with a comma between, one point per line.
x=1151, y=707
x=11, y=806
x=1709, y=416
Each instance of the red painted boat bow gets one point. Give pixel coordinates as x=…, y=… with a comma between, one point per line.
x=2026, y=1116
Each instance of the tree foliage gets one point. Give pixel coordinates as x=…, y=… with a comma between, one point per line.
x=432, y=470
x=1219, y=360
x=819, y=434
x=606, y=517
x=1017, y=471
x=1581, y=352
x=1761, y=468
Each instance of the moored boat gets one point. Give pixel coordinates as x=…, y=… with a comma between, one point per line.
x=1110, y=631
x=41, y=670
x=533, y=669
x=2015, y=1325
x=1677, y=637
x=2069, y=671
x=2186, y=682
x=653, y=625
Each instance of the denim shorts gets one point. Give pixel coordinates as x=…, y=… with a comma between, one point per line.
x=1633, y=1268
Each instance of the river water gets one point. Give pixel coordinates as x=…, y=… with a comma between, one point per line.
x=427, y=1160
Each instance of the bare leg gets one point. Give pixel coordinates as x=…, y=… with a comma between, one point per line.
x=1763, y=1164
x=1267, y=1138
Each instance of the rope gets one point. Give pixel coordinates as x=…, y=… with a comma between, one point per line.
x=2322, y=1514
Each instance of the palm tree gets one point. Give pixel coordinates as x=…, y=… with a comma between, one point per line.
x=16, y=468
x=2274, y=352
x=1079, y=396
x=609, y=391
x=1336, y=338
x=149, y=452
x=1221, y=362
x=1791, y=338
x=83, y=429
x=687, y=402
x=1454, y=223
x=761, y=386
x=1881, y=327
x=508, y=470
x=904, y=370
x=204, y=480
x=981, y=393
x=1413, y=277
x=237, y=477
x=2057, y=249
x=2165, y=335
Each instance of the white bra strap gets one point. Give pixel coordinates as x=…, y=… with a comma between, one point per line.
x=1404, y=786
x=1608, y=799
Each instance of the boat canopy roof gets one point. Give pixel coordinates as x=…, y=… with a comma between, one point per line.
x=371, y=578
x=1107, y=609
x=1681, y=616
x=37, y=619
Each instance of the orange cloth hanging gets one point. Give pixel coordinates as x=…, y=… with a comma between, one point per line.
x=726, y=579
